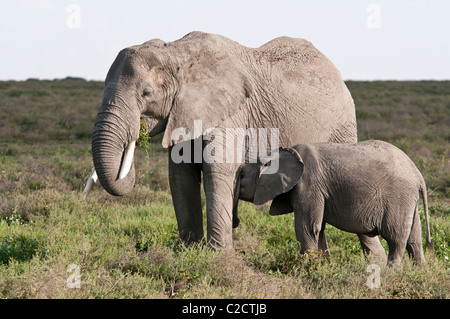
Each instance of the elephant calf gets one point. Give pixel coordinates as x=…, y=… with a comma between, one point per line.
x=369, y=188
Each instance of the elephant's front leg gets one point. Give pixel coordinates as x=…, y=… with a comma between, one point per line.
x=323, y=244
x=219, y=184
x=309, y=224
x=185, y=180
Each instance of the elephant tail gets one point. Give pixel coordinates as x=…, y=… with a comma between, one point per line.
x=423, y=190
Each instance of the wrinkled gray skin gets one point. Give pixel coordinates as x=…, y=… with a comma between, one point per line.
x=369, y=188
x=286, y=84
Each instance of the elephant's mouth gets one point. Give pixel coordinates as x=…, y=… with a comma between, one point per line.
x=127, y=161
x=154, y=125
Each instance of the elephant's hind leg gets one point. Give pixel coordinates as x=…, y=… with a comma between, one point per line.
x=396, y=229
x=372, y=247
x=414, y=244
x=396, y=252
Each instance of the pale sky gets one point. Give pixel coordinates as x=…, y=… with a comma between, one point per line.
x=366, y=39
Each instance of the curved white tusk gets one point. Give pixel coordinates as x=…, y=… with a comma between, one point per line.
x=90, y=183
x=127, y=160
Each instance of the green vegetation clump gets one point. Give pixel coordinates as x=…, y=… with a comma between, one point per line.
x=129, y=247
x=144, y=139
x=17, y=248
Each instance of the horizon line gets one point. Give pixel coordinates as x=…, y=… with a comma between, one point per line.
x=80, y=78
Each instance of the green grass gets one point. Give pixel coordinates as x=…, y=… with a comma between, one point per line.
x=128, y=247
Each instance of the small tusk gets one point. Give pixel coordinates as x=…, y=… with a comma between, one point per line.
x=127, y=160
x=90, y=183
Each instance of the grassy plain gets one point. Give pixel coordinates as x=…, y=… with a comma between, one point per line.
x=128, y=247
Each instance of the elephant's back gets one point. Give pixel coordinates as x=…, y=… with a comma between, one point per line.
x=370, y=158
x=400, y=163
x=318, y=105
x=285, y=51
x=365, y=152
x=297, y=56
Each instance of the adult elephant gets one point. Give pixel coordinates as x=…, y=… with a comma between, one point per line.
x=286, y=84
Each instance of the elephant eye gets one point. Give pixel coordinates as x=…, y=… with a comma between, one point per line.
x=146, y=92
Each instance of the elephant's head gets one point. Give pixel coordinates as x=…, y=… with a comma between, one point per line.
x=168, y=86
x=137, y=87
x=271, y=178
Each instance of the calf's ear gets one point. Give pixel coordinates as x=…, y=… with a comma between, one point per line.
x=281, y=171
x=281, y=205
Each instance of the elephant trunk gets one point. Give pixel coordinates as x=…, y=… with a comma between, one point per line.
x=113, y=140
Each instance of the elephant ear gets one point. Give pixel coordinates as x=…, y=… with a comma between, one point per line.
x=280, y=173
x=213, y=88
x=281, y=205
